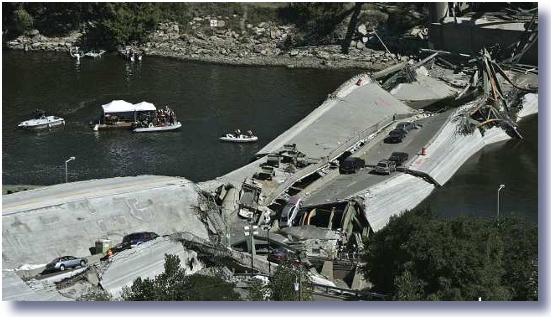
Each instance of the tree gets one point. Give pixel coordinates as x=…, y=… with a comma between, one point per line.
x=22, y=20
x=257, y=290
x=419, y=257
x=351, y=27
x=283, y=282
x=316, y=21
x=174, y=285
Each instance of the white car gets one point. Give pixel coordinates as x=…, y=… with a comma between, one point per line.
x=290, y=212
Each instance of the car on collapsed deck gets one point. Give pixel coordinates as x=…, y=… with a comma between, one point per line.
x=129, y=241
x=399, y=158
x=290, y=211
x=406, y=126
x=385, y=167
x=395, y=136
x=351, y=165
x=64, y=262
x=281, y=255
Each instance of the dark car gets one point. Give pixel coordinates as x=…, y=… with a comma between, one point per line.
x=406, y=126
x=396, y=136
x=281, y=255
x=351, y=165
x=137, y=238
x=399, y=157
x=65, y=262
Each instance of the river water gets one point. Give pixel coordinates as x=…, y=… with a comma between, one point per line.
x=209, y=100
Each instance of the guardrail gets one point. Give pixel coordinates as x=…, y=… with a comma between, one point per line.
x=340, y=291
x=327, y=289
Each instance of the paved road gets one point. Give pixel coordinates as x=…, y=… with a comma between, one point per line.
x=339, y=187
x=63, y=193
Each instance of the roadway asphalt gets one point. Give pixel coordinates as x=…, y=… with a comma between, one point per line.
x=62, y=193
x=338, y=187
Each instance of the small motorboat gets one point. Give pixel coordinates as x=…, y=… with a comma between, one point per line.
x=241, y=138
x=161, y=128
x=42, y=122
x=95, y=54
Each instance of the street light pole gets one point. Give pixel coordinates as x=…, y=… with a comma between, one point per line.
x=498, y=190
x=251, y=230
x=267, y=229
x=72, y=158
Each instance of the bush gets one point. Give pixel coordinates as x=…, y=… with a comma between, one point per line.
x=22, y=20
x=174, y=285
x=419, y=257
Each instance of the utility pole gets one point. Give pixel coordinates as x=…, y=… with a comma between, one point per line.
x=299, y=276
x=251, y=231
x=267, y=228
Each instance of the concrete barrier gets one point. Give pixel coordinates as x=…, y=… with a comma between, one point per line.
x=449, y=150
x=392, y=197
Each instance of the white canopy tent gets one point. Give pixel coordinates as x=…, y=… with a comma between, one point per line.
x=144, y=106
x=117, y=106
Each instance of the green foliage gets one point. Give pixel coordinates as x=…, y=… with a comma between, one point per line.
x=420, y=257
x=124, y=23
x=210, y=288
x=316, y=21
x=520, y=258
x=257, y=291
x=22, y=20
x=96, y=295
x=215, y=9
x=174, y=285
x=282, y=283
x=175, y=12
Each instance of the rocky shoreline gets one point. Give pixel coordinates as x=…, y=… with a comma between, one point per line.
x=261, y=45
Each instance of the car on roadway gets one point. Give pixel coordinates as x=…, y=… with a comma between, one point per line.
x=351, y=165
x=290, y=211
x=65, y=262
x=385, y=167
x=137, y=238
x=406, y=126
x=399, y=158
x=395, y=136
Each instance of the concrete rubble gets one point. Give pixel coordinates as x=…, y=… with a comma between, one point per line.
x=147, y=261
x=387, y=199
x=14, y=289
x=41, y=224
x=67, y=219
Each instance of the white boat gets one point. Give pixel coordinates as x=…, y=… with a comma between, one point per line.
x=242, y=138
x=43, y=122
x=163, y=128
x=95, y=54
x=75, y=52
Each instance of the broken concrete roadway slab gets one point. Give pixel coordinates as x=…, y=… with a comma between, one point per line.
x=67, y=219
x=146, y=261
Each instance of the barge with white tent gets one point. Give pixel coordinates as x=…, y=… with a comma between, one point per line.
x=139, y=117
